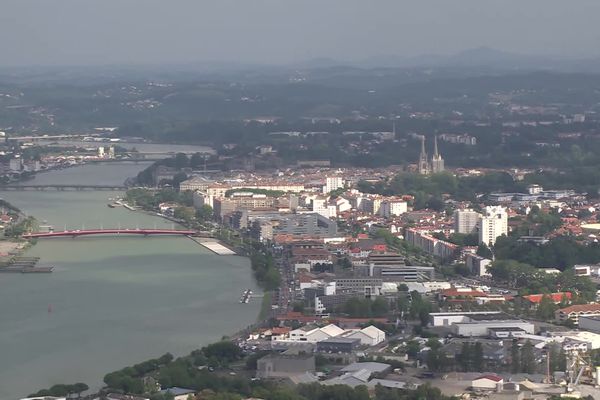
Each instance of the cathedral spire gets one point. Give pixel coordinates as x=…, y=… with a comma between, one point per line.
x=437, y=162
x=423, y=166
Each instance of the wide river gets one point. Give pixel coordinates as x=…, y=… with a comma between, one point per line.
x=111, y=301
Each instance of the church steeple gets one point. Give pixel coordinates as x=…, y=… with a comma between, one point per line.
x=437, y=162
x=423, y=161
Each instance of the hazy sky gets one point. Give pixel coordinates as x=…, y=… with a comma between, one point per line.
x=41, y=32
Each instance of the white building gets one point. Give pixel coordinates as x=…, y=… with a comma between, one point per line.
x=369, y=336
x=15, y=164
x=313, y=334
x=195, y=183
x=322, y=207
x=466, y=221
x=487, y=382
x=332, y=183
x=392, y=208
x=493, y=224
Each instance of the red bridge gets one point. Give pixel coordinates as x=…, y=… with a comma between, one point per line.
x=82, y=232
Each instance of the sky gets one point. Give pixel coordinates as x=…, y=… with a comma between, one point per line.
x=130, y=32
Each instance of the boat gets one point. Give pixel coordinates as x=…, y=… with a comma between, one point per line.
x=111, y=205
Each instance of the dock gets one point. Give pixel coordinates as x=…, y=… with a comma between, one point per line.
x=214, y=246
x=25, y=265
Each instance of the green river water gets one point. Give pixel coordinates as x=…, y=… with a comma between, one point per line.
x=111, y=301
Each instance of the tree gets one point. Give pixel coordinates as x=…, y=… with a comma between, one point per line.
x=546, y=308
x=181, y=161
x=465, y=357
x=528, y=363
x=186, y=214
x=478, y=357
x=379, y=307
x=484, y=251
x=204, y=213
x=515, y=358
x=412, y=348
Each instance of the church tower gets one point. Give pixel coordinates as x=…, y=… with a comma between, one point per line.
x=437, y=162
x=423, y=161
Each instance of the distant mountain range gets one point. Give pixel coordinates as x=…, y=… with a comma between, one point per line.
x=478, y=57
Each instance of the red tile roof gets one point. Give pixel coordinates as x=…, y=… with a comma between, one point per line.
x=555, y=297
x=580, y=308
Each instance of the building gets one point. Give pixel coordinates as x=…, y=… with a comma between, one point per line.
x=242, y=201
x=466, y=221
x=195, y=183
x=477, y=265
x=487, y=382
x=284, y=366
x=575, y=311
x=332, y=183
x=178, y=393
x=311, y=224
x=430, y=244
x=392, y=208
x=493, y=224
x=587, y=270
x=449, y=318
x=402, y=273
x=423, y=166
x=119, y=396
x=338, y=345
x=479, y=324
x=369, y=336
x=367, y=287
x=437, y=162
x=590, y=323
x=314, y=334
x=163, y=173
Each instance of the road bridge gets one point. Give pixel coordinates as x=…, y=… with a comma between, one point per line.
x=63, y=187
x=88, y=232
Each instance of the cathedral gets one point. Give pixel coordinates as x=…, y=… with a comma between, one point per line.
x=436, y=164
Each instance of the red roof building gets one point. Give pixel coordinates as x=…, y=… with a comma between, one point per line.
x=555, y=297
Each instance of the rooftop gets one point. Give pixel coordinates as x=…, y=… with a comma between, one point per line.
x=580, y=308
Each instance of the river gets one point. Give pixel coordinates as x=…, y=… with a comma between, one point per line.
x=111, y=301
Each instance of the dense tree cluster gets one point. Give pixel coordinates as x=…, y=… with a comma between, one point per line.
x=560, y=252
x=62, y=390
x=129, y=379
x=470, y=358
x=265, y=270
x=366, y=308
x=528, y=280
x=150, y=199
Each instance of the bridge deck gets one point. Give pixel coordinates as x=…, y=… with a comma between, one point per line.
x=36, y=235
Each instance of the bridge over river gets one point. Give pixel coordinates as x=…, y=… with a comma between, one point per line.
x=63, y=187
x=87, y=232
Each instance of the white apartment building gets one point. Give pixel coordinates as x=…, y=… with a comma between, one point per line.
x=332, y=183
x=392, y=208
x=320, y=206
x=493, y=224
x=466, y=221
